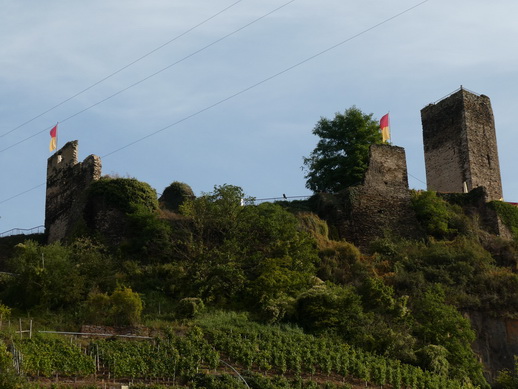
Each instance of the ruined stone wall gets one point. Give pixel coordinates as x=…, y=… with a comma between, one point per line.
x=460, y=145
x=67, y=181
x=381, y=206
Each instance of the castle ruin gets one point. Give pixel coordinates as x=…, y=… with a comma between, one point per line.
x=460, y=145
x=67, y=180
x=460, y=154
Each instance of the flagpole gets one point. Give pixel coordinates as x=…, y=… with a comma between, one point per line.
x=57, y=136
x=390, y=128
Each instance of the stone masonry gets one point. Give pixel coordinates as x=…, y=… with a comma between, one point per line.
x=460, y=145
x=67, y=181
x=381, y=206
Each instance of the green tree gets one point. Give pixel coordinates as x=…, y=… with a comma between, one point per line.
x=235, y=249
x=46, y=277
x=342, y=154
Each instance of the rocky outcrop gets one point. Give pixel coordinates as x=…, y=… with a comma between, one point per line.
x=496, y=344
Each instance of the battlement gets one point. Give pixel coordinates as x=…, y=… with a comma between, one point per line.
x=67, y=180
x=63, y=158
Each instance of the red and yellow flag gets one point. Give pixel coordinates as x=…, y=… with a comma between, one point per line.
x=53, y=138
x=385, y=127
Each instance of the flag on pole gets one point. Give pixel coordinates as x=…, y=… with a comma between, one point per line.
x=53, y=138
x=385, y=127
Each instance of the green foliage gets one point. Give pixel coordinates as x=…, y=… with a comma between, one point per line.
x=95, y=264
x=5, y=313
x=342, y=154
x=278, y=276
x=377, y=295
x=130, y=218
x=51, y=356
x=46, y=277
x=57, y=276
x=459, y=265
x=315, y=226
x=223, y=251
x=328, y=307
x=147, y=237
x=340, y=263
x=122, y=307
x=442, y=325
x=175, y=195
x=9, y=378
x=508, y=379
x=434, y=358
x=172, y=357
x=190, y=307
x=497, y=291
x=125, y=194
x=287, y=350
x=254, y=254
x=439, y=218
x=509, y=215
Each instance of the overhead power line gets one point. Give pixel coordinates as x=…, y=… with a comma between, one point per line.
x=418, y=179
x=248, y=88
x=152, y=75
x=122, y=68
x=265, y=79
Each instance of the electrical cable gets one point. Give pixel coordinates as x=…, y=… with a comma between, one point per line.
x=263, y=81
x=151, y=75
x=123, y=68
x=246, y=89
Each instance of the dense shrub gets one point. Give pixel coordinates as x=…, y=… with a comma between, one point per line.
x=439, y=218
x=126, y=194
x=329, y=307
x=340, y=263
x=190, y=307
x=122, y=307
x=175, y=195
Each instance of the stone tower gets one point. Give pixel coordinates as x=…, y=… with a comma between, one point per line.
x=381, y=205
x=67, y=181
x=460, y=145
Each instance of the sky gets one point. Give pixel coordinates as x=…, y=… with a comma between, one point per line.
x=213, y=92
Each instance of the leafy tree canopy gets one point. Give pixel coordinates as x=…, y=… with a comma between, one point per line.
x=342, y=154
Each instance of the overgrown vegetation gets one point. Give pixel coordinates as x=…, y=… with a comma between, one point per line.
x=509, y=215
x=321, y=303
